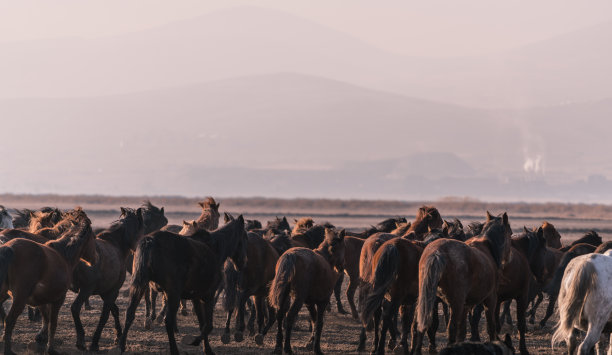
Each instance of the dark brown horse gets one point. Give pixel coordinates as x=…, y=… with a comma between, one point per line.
x=185, y=267
x=39, y=275
x=553, y=238
x=518, y=272
x=465, y=274
x=308, y=276
x=386, y=226
x=253, y=280
x=591, y=237
x=311, y=238
x=106, y=276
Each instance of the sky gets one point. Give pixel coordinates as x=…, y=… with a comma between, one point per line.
x=158, y=97
x=420, y=28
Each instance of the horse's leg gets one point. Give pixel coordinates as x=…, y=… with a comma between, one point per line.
x=242, y=299
x=350, y=295
x=106, y=308
x=75, y=309
x=433, y=328
x=593, y=334
x=162, y=312
x=184, y=311
x=377, y=317
x=136, y=294
x=572, y=341
x=53, y=315
x=462, y=326
x=490, y=307
x=338, y=292
x=417, y=339
x=393, y=331
x=445, y=312
x=312, y=311
x=209, y=307
x=43, y=334
x=552, y=299
x=319, y=327
x=536, y=304
x=362, y=339
x=115, y=313
x=271, y=319
x=600, y=347
x=172, y=304
x=496, y=315
x=259, y=311
x=11, y=318
x=521, y=306
x=88, y=307
x=291, y=317
x=252, y=315
x=387, y=323
x=225, y=337
x=506, y=316
x=456, y=311
x=148, y=309
x=475, y=321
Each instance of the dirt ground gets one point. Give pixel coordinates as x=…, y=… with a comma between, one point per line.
x=340, y=333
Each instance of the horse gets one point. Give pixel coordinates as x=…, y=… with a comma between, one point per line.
x=106, y=276
x=309, y=277
x=6, y=221
x=525, y=258
x=585, y=301
x=553, y=238
x=185, y=267
x=311, y=238
x=385, y=226
x=46, y=217
x=465, y=274
x=302, y=225
x=427, y=218
x=153, y=217
x=555, y=284
x=253, y=280
x=591, y=237
x=476, y=348
x=473, y=229
x=209, y=219
x=250, y=224
x=40, y=275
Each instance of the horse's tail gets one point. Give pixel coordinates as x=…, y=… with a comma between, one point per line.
x=429, y=277
x=384, y=274
x=285, y=272
x=231, y=279
x=579, y=280
x=141, y=265
x=6, y=257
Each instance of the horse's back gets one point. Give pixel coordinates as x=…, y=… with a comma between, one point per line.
x=314, y=277
x=368, y=249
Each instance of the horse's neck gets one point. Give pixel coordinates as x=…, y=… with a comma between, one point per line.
x=6, y=223
x=483, y=245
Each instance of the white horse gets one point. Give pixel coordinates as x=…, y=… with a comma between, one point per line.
x=6, y=221
x=585, y=302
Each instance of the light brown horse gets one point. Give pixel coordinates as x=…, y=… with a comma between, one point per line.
x=308, y=276
x=463, y=275
x=209, y=219
x=39, y=275
x=302, y=225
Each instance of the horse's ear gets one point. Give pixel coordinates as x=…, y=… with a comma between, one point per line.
x=194, y=223
x=123, y=210
x=162, y=210
x=295, y=220
x=505, y=218
x=525, y=229
x=217, y=206
x=445, y=228
x=139, y=214
x=489, y=217
x=201, y=203
x=241, y=219
x=458, y=222
x=185, y=222
x=341, y=234
x=285, y=219
x=540, y=234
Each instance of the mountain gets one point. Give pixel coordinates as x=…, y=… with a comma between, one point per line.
x=247, y=41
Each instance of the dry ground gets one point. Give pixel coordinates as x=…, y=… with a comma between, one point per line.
x=340, y=333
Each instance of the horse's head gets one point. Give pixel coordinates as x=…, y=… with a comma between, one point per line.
x=553, y=238
x=454, y=230
x=302, y=225
x=239, y=257
x=6, y=221
x=133, y=223
x=152, y=217
x=497, y=232
x=390, y=224
x=335, y=248
x=42, y=219
x=279, y=224
x=226, y=217
x=252, y=224
x=209, y=204
x=533, y=244
x=189, y=227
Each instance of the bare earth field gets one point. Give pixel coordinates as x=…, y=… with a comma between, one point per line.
x=341, y=332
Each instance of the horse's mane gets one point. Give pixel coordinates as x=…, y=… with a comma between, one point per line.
x=129, y=223
x=454, y=230
x=71, y=241
x=281, y=241
x=528, y=241
x=389, y=224
x=315, y=235
x=221, y=240
x=591, y=237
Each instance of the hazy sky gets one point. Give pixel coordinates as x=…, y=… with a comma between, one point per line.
x=423, y=28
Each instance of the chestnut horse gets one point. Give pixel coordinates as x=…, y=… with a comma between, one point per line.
x=309, y=277
x=185, y=267
x=465, y=274
x=553, y=238
x=209, y=219
x=106, y=276
x=39, y=275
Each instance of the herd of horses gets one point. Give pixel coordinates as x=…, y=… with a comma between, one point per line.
x=404, y=272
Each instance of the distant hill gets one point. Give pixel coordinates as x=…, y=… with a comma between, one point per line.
x=254, y=41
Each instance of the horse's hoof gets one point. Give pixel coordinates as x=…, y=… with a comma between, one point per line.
x=259, y=339
x=81, y=346
x=238, y=337
x=190, y=340
x=147, y=324
x=225, y=338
